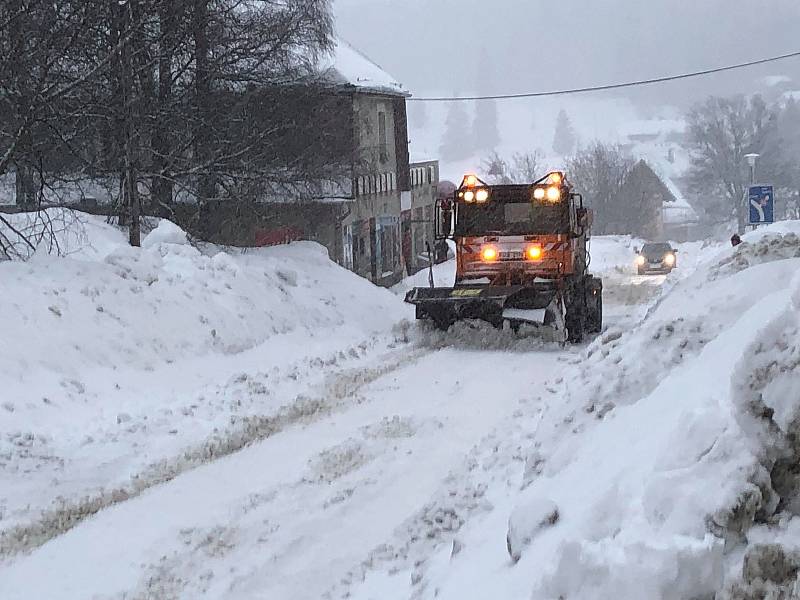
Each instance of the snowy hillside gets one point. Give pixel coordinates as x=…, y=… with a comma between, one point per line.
x=192, y=423
x=526, y=126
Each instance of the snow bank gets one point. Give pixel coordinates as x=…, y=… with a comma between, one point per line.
x=165, y=233
x=117, y=357
x=663, y=455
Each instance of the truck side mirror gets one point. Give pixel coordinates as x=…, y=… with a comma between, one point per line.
x=444, y=220
x=584, y=217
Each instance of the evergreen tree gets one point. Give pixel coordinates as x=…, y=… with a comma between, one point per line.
x=564, y=139
x=485, y=132
x=457, y=138
x=418, y=115
x=484, y=128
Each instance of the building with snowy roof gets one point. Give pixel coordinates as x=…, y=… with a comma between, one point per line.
x=649, y=205
x=369, y=213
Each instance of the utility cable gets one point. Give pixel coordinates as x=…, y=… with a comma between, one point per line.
x=611, y=86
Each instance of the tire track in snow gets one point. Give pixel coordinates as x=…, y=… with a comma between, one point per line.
x=340, y=391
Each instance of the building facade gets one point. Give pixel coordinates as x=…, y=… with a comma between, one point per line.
x=378, y=222
x=375, y=215
x=418, y=216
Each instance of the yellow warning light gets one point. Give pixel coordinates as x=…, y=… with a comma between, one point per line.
x=534, y=252
x=471, y=181
x=555, y=178
x=489, y=254
x=539, y=193
x=553, y=194
x=482, y=195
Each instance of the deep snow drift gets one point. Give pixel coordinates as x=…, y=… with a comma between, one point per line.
x=667, y=456
x=126, y=366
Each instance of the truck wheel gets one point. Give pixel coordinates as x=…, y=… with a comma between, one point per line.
x=596, y=314
x=575, y=315
x=575, y=327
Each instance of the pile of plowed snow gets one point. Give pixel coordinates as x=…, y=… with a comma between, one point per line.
x=671, y=458
x=115, y=358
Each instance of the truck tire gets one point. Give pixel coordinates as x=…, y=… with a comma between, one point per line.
x=575, y=327
x=575, y=313
x=596, y=314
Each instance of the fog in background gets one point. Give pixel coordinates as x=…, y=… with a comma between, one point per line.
x=434, y=46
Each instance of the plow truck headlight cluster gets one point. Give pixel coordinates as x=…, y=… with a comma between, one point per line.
x=482, y=196
x=553, y=194
x=669, y=259
x=534, y=252
x=489, y=254
x=469, y=196
x=640, y=260
x=550, y=193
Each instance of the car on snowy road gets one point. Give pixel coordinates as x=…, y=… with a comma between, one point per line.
x=654, y=257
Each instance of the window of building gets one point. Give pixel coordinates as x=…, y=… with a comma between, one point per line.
x=382, y=139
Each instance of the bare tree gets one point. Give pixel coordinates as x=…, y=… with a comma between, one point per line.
x=166, y=98
x=721, y=132
x=523, y=167
x=599, y=173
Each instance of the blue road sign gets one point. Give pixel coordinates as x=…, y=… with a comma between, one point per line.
x=761, y=200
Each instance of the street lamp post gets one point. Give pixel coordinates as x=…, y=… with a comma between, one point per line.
x=751, y=161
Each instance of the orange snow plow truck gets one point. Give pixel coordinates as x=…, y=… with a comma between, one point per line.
x=522, y=258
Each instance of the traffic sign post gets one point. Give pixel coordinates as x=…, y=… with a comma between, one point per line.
x=761, y=202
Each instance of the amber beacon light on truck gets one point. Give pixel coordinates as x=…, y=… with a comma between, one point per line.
x=473, y=190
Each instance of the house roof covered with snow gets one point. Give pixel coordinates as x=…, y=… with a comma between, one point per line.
x=347, y=66
x=653, y=127
x=676, y=210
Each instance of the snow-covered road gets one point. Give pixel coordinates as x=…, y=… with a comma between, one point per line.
x=288, y=517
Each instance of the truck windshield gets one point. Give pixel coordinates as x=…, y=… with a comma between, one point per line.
x=511, y=218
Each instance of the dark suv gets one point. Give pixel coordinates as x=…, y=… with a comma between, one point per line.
x=656, y=258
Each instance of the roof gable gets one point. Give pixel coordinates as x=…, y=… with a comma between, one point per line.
x=347, y=66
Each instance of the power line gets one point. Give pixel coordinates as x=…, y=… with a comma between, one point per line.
x=611, y=86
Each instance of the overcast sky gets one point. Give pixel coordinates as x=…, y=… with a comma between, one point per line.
x=434, y=46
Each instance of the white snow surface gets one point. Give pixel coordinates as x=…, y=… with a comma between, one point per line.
x=122, y=357
x=348, y=65
x=267, y=425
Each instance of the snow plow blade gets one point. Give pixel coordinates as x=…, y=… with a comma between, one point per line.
x=516, y=304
